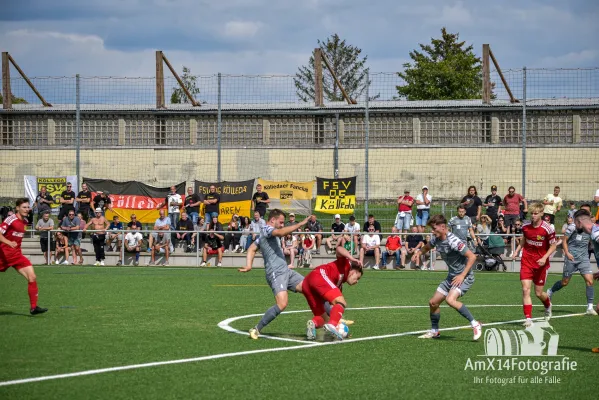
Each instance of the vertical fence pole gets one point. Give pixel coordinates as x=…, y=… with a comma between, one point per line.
x=122, y=247
x=198, y=248
x=49, y=253
x=78, y=130
x=524, y=133
x=336, y=151
x=219, y=130
x=366, y=137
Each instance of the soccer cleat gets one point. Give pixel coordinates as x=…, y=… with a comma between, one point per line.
x=65, y=262
x=203, y=264
x=332, y=329
x=590, y=311
x=430, y=335
x=347, y=322
x=219, y=265
x=97, y=263
x=102, y=263
x=254, y=333
x=548, y=313
x=528, y=323
x=310, y=330
x=375, y=267
x=37, y=310
x=478, y=331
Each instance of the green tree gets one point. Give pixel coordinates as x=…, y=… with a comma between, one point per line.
x=443, y=70
x=15, y=100
x=346, y=62
x=189, y=81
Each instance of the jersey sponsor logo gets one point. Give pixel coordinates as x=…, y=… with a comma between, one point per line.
x=534, y=243
x=540, y=238
x=461, y=245
x=18, y=234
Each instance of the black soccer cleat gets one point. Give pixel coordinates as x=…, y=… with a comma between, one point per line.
x=37, y=310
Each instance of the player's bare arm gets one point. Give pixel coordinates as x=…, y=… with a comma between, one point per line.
x=565, y=248
x=249, y=258
x=420, y=252
x=341, y=252
x=551, y=250
x=7, y=242
x=282, y=232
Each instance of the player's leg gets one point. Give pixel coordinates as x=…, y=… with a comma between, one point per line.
x=435, y=313
x=453, y=302
x=281, y=300
x=28, y=273
x=290, y=280
x=539, y=279
x=336, y=299
x=527, y=301
x=316, y=305
x=590, y=293
x=569, y=267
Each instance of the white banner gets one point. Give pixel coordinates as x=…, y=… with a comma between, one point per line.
x=54, y=186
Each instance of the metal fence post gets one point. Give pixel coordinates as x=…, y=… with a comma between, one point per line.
x=122, y=247
x=366, y=137
x=77, y=131
x=524, y=133
x=49, y=253
x=219, y=129
x=336, y=151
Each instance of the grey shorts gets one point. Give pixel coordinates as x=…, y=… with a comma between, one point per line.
x=571, y=267
x=287, y=280
x=445, y=286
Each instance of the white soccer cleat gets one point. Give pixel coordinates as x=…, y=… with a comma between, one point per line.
x=548, y=313
x=590, y=311
x=203, y=264
x=375, y=267
x=219, y=265
x=430, y=335
x=528, y=323
x=65, y=262
x=478, y=331
x=254, y=334
x=332, y=329
x=97, y=263
x=310, y=330
x=102, y=263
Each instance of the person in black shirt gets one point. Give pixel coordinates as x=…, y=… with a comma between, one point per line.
x=67, y=200
x=102, y=200
x=213, y=245
x=412, y=243
x=84, y=198
x=372, y=222
x=184, y=224
x=43, y=202
x=212, y=203
x=493, y=204
x=192, y=205
x=472, y=204
x=260, y=201
x=134, y=225
x=336, y=227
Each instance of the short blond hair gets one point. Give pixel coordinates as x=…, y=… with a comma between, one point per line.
x=538, y=207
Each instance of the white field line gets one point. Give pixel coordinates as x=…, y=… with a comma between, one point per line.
x=249, y=352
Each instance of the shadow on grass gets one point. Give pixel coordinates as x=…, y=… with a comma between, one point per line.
x=13, y=314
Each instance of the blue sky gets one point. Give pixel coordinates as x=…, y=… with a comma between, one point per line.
x=119, y=37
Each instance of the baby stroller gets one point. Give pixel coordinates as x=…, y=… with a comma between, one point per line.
x=491, y=251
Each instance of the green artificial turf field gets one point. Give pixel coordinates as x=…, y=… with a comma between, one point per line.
x=115, y=317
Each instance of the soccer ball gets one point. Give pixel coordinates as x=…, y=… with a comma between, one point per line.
x=343, y=330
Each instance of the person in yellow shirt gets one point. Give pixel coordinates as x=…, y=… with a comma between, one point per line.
x=553, y=203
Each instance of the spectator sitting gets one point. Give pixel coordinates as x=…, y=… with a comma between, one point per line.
x=483, y=230
x=161, y=245
x=115, y=228
x=370, y=247
x=62, y=247
x=186, y=225
x=516, y=229
x=44, y=225
x=163, y=223
x=414, y=242
x=291, y=220
x=353, y=228
x=501, y=229
x=393, y=246
x=336, y=227
x=289, y=245
x=232, y=239
x=569, y=221
x=308, y=244
x=198, y=233
x=256, y=225
x=314, y=226
x=133, y=240
x=246, y=231
x=134, y=224
x=213, y=245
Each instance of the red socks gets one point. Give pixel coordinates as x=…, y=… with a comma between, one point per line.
x=32, y=290
x=527, y=310
x=547, y=302
x=318, y=322
x=336, y=314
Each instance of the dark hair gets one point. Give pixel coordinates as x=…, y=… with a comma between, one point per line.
x=370, y=216
x=510, y=188
x=437, y=220
x=356, y=267
x=586, y=205
x=352, y=218
x=473, y=187
x=557, y=187
x=461, y=207
x=581, y=213
x=275, y=213
x=21, y=201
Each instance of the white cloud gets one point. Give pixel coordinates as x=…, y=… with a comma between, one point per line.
x=242, y=29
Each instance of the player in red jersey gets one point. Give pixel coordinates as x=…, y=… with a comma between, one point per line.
x=12, y=231
x=538, y=243
x=323, y=284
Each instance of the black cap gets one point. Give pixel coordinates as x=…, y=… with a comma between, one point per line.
x=493, y=187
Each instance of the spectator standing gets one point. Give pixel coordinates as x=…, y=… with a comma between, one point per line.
x=473, y=204
x=213, y=245
x=186, y=225
x=115, y=228
x=414, y=242
x=511, y=204
x=84, y=199
x=72, y=225
x=289, y=244
x=134, y=224
x=192, y=205
x=370, y=247
x=336, y=227
x=553, y=204
x=572, y=210
x=133, y=240
x=102, y=201
x=212, y=204
x=260, y=200
x=423, y=208
x=161, y=245
x=163, y=223
x=493, y=204
x=173, y=204
x=99, y=225
x=44, y=225
x=315, y=226
x=292, y=220
x=44, y=202
x=483, y=230
x=67, y=201
x=403, y=221
x=394, y=247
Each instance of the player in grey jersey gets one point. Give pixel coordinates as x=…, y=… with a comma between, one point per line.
x=459, y=260
x=278, y=275
x=576, y=256
x=461, y=226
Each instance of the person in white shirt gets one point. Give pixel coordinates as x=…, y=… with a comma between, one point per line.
x=133, y=241
x=553, y=203
x=370, y=247
x=423, y=208
x=353, y=228
x=173, y=203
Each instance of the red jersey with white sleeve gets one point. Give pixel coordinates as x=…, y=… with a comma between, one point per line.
x=13, y=229
x=336, y=271
x=324, y=283
x=536, y=243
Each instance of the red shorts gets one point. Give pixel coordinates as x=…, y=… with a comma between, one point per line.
x=13, y=259
x=538, y=275
x=215, y=251
x=317, y=290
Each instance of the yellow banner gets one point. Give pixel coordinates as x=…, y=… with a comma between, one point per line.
x=289, y=196
x=336, y=196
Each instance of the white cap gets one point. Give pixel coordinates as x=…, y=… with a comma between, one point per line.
x=425, y=187
x=597, y=193
x=98, y=209
x=337, y=216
